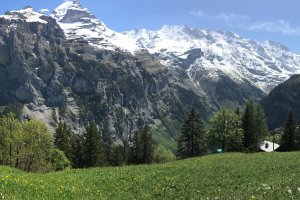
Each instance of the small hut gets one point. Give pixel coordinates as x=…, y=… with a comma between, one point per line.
x=268, y=146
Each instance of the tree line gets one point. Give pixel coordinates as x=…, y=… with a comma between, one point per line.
x=96, y=148
x=29, y=146
x=229, y=130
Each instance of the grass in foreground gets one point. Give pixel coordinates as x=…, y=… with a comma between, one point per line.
x=223, y=176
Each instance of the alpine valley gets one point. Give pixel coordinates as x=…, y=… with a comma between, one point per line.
x=70, y=66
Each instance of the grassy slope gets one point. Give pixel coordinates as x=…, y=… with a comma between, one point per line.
x=223, y=176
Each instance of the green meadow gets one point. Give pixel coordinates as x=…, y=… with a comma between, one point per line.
x=218, y=176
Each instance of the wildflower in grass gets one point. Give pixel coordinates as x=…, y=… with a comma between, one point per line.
x=1, y=195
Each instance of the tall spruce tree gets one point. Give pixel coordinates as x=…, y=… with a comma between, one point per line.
x=297, y=137
x=248, y=124
x=288, y=138
x=126, y=151
x=107, y=142
x=136, y=153
x=261, y=123
x=78, y=151
x=147, y=145
x=191, y=142
x=62, y=139
x=94, y=155
x=254, y=125
x=142, y=150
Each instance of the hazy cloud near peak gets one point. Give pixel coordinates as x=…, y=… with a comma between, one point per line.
x=227, y=17
x=244, y=22
x=278, y=26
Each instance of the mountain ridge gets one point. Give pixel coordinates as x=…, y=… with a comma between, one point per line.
x=71, y=67
x=282, y=99
x=235, y=56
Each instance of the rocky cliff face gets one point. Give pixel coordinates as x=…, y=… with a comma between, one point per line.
x=284, y=98
x=59, y=78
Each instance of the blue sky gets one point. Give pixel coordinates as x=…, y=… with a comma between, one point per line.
x=260, y=20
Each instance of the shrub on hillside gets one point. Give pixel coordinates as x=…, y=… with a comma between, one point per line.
x=162, y=155
x=59, y=160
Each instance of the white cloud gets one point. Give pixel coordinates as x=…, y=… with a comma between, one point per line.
x=200, y=14
x=279, y=26
x=231, y=17
x=244, y=22
x=223, y=16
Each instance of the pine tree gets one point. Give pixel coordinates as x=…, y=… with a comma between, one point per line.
x=288, y=138
x=116, y=155
x=147, y=145
x=78, y=158
x=254, y=125
x=261, y=124
x=191, y=141
x=248, y=124
x=237, y=111
x=126, y=151
x=107, y=142
x=94, y=155
x=136, y=149
x=297, y=137
x=142, y=150
x=62, y=139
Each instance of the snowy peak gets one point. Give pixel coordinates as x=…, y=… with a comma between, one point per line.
x=71, y=12
x=27, y=14
x=78, y=22
x=263, y=64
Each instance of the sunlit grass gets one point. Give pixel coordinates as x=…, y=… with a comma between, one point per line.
x=222, y=176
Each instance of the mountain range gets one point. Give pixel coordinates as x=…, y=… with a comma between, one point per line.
x=70, y=66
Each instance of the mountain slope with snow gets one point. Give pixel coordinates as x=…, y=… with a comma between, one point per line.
x=211, y=54
x=78, y=22
x=27, y=14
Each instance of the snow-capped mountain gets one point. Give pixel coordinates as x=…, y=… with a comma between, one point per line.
x=45, y=75
x=208, y=54
x=27, y=14
x=78, y=22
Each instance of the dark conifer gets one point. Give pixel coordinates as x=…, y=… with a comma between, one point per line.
x=254, y=125
x=126, y=151
x=147, y=145
x=107, y=142
x=94, y=155
x=248, y=124
x=62, y=139
x=142, y=150
x=261, y=124
x=288, y=138
x=136, y=149
x=191, y=141
x=78, y=151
